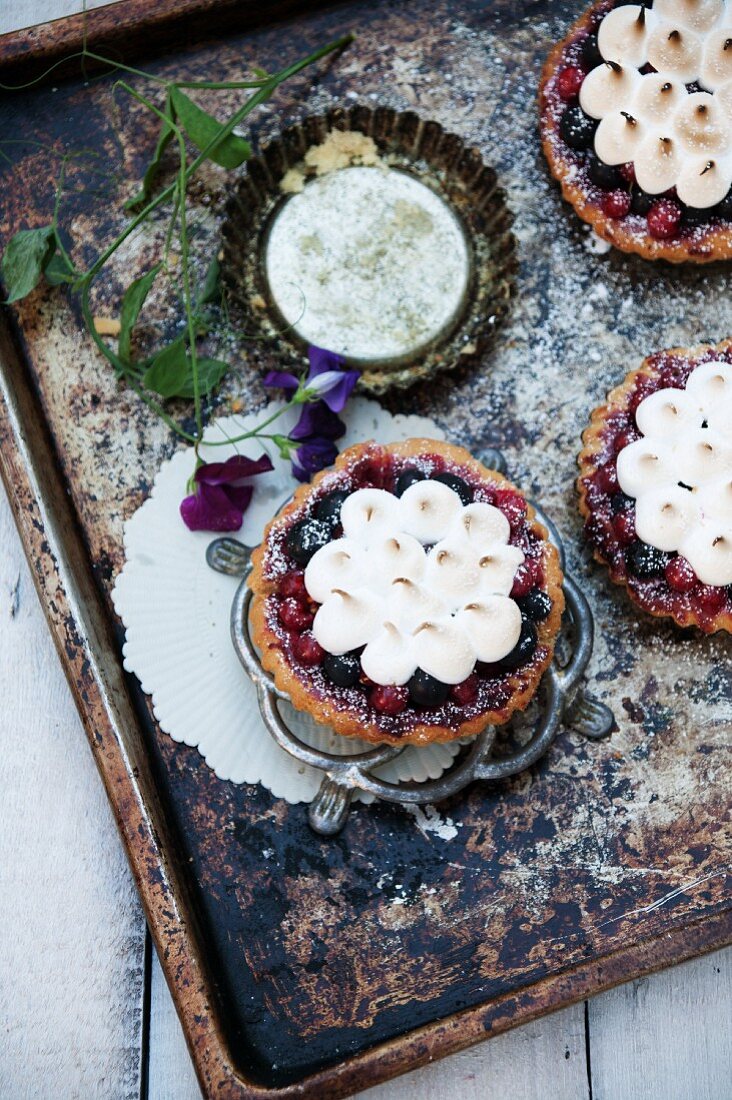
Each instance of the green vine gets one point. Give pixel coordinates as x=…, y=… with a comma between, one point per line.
x=176, y=369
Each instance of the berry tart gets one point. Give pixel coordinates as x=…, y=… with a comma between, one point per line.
x=407, y=595
x=636, y=124
x=656, y=485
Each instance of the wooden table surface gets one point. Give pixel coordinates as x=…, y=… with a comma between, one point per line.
x=84, y=1010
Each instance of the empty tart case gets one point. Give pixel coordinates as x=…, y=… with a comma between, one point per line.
x=458, y=263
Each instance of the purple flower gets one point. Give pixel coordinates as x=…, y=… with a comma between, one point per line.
x=312, y=456
x=220, y=498
x=316, y=419
x=315, y=431
x=326, y=380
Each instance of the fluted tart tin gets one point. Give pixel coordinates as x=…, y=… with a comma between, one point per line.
x=374, y=233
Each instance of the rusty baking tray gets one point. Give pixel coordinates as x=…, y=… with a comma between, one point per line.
x=335, y=964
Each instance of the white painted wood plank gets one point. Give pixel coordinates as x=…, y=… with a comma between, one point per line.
x=667, y=1037
x=544, y=1060
x=171, y=1073
x=71, y=948
x=15, y=14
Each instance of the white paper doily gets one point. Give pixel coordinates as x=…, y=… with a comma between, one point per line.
x=176, y=615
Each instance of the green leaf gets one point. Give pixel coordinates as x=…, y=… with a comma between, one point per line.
x=169, y=370
x=210, y=373
x=132, y=303
x=211, y=289
x=202, y=128
x=171, y=373
x=57, y=269
x=24, y=258
x=148, y=180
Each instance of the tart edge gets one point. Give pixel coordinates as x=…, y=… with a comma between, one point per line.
x=592, y=444
x=347, y=723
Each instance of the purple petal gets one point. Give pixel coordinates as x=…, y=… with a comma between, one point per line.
x=336, y=397
x=312, y=456
x=281, y=380
x=233, y=470
x=316, y=419
x=210, y=509
x=322, y=360
x=240, y=496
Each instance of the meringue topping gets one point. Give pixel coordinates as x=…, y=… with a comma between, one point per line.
x=674, y=138
x=420, y=581
x=680, y=472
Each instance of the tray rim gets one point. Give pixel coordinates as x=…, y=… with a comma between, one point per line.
x=81, y=629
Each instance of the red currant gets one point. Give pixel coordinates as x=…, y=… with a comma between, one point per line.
x=616, y=204
x=525, y=578
x=295, y=615
x=307, y=651
x=513, y=506
x=606, y=478
x=389, y=698
x=625, y=438
x=627, y=171
x=679, y=575
x=711, y=597
x=569, y=82
x=466, y=692
x=624, y=526
x=664, y=219
x=294, y=585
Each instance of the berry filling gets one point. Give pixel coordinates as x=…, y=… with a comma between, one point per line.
x=662, y=582
x=613, y=188
x=340, y=679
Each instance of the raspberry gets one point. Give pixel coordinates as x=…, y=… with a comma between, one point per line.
x=295, y=615
x=569, y=82
x=294, y=585
x=616, y=204
x=627, y=171
x=624, y=526
x=467, y=692
x=513, y=506
x=711, y=597
x=307, y=651
x=525, y=578
x=664, y=219
x=389, y=698
x=606, y=478
x=679, y=575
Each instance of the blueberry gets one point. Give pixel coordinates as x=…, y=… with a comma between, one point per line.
x=305, y=538
x=343, y=671
x=426, y=690
x=576, y=128
x=591, y=56
x=603, y=175
x=641, y=202
x=694, y=216
x=457, y=485
x=524, y=649
x=723, y=209
x=329, y=508
x=409, y=477
x=535, y=606
x=644, y=561
x=619, y=502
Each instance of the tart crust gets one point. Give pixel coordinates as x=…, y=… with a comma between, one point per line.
x=716, y=242
x=593, y=443
x=290, y=679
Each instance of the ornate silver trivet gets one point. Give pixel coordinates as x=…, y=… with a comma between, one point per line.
x=562, y=700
